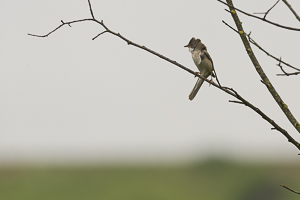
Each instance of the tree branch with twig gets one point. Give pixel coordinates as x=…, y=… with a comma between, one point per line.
x=259, y=69
x=266, y=13
x=284, y=72
x=251, y=40
x=261, y=18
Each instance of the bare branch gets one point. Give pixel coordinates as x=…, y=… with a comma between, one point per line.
x=49, y=32
x=229, y=91
x=91, y=10
x=230, y=26
x=284, y=72
x=233, y=101
x=279, y=64
x=290, y=7
x=266, y=13
x=259, y=69
x=99, y=35
x=258, y=46
x=63, y=23
x=265, y=20
x=290, y=189
x=288, y=74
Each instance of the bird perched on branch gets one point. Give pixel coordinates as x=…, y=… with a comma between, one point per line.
x=203, y=62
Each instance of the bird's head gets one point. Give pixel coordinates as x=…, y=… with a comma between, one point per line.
x=193, y=44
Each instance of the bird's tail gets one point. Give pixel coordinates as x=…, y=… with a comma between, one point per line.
x=196, y=88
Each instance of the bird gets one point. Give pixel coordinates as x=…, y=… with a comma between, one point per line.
x=203, y=62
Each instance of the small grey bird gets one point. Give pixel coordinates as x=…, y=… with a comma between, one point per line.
x=203, y=62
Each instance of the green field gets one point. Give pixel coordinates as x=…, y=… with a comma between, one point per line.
x=210, y=180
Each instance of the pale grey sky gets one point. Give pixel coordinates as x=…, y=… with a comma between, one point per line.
x=67, y=98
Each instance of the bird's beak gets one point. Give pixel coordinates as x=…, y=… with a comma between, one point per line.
x=186, y=45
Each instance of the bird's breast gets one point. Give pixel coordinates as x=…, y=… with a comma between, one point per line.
x=196, y=58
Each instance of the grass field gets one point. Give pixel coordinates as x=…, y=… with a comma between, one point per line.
x=210, y=180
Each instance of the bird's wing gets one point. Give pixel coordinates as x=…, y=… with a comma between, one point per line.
x=209, y=58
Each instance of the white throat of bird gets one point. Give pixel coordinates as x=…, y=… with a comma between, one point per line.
x=191, y=49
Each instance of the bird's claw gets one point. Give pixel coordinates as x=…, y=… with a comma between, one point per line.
x=211, y=80
x=197, y=73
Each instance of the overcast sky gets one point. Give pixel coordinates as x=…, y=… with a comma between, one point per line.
x=67, y=98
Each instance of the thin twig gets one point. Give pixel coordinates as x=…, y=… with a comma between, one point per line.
x=284, y=72
x=265, y=20
x=230, y=26
x=99, y=34
x=233, y=101
x=229, y=91
x=91, y=10
x=63, y=23
x=270, y=9
x=290, y=189
x=266, y=13
x=279, y=64
x=293, y=11
x=288, y=74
